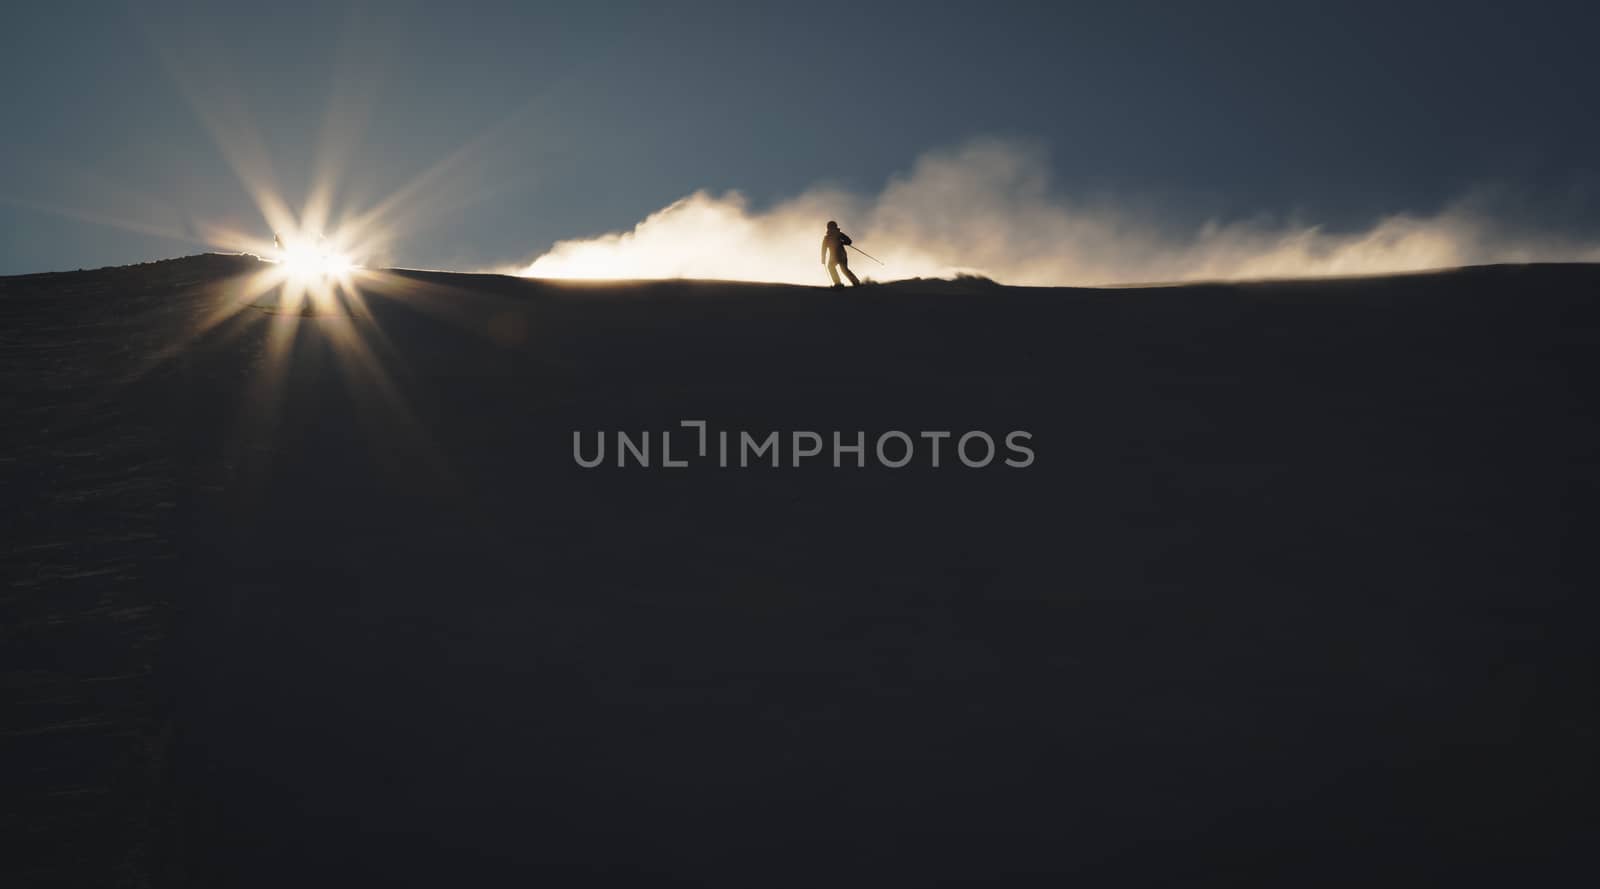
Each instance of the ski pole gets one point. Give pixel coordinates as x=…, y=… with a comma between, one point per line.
x=865, y=253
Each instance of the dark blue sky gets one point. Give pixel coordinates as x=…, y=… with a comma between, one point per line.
x=584, y=117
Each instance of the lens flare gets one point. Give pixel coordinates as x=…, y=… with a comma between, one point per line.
x=305, y=275
x=309, y=262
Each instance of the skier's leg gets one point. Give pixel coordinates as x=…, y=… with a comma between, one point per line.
x=833, y=272
x=854, y=281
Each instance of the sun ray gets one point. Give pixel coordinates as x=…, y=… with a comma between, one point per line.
x=134, y=224
x=312, y=290
x=257, y=424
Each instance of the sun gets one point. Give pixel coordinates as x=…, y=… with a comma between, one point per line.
x=304, y=274
x=309, y=261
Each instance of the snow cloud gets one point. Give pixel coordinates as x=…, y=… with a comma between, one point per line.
x=987, y=208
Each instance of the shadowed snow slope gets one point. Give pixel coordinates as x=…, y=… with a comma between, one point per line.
x=1298, y=588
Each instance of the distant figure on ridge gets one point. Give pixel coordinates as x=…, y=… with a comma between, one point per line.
x=835, y=257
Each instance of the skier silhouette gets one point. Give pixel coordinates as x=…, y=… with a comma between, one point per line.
x=835, y=257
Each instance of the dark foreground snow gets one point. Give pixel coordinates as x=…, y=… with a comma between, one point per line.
x=1299, y=590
